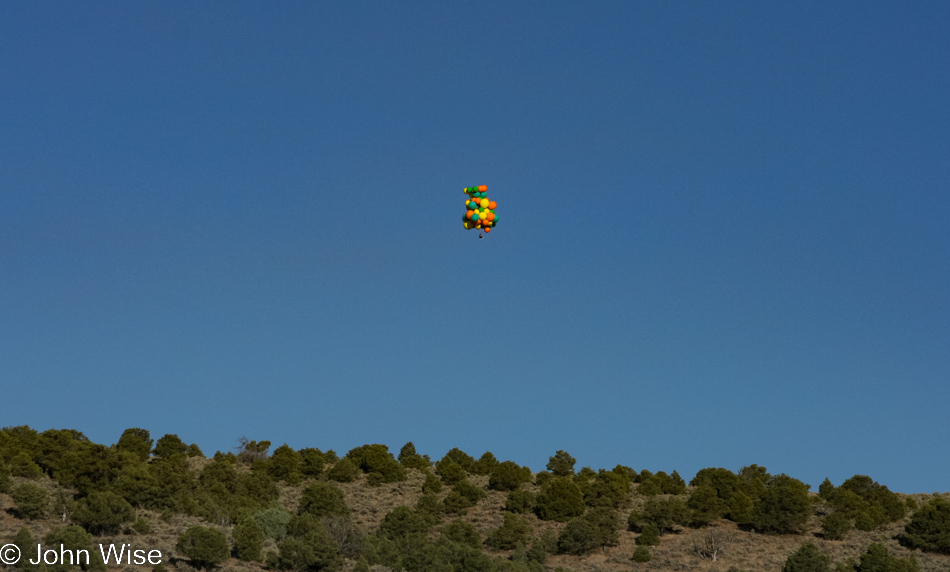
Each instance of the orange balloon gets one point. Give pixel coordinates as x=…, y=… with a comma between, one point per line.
x=488, y=229
x=483, y=188
x=492, y=205
x=469, y=214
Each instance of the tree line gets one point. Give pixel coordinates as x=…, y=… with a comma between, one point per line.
x=98, y=490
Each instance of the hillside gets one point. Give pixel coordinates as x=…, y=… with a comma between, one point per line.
x=315, y=510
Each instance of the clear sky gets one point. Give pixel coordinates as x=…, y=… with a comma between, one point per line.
x=724, y=231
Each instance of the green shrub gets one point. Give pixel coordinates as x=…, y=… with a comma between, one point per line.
x=73, y=538
x=141, y=526
x=450, y=471
x=878, y=559
x=508, y=476
x=929, y=527
x=835, y=526
x=377, y=459
x=608, y=488
x=561, y=464
x=22, y=465
x=650, y=536
x=432, y=484
x=808, y=558
x=31, y=501
x=740, y=508
x=784, y=506
x=513, y=530
x=135, y=442
x=312, y=462
x=248, y=540
x=485, y=464
x=205, y=547
x=343, y=471
x=412, y=460
x=285, y=465
x=6, y=481
x=170, y=445
x=520, y=501
x=705, y=505
x=560, y=500
x=462, y=532
x=578, y=538
x=598, y=527
x=322, y=499
x=664, y=513
x=273, y=522
x=461, y=458
x=464, y=495
x=642, y=554
x=103, y=513
x=308, y=546
x=403, y=521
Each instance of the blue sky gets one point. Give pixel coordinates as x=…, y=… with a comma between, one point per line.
x=723, y=232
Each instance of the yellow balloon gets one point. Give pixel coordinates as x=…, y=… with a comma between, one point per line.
x=484, y=203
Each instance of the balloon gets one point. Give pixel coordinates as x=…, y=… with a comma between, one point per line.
x=479, y=209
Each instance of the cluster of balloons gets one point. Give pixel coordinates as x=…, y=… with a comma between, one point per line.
x=479, y=211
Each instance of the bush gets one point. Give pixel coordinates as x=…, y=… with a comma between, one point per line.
x=412, y=460
x=560, y=500
x=609, y=488
x=642, y=554
x=485, y=464
x=285, y=465
x=248, y=540
x=31, y=501
x=73, y=538
x=205, y=547
x=878, y=559
x=273, y=522
x=520, y=501
x=402, y=522
x=835, y=526
x=141, y=526
x=312, y=462
x=136, y=442
x=169, y=445
x=513, y=530
x=705, y=505
x=377, y=459
x=103, y=513
x=561, y=464
x=22, y=465
x=784, y=506
x=598, y=527
x=432, y=484
x=461, y=458
x=807, y=559
x=578, y=538
x=464, y=495
x=308, y=546
x=450, y=471
x=508, y=476
x=664, y=513
x=323, y=499
x=929, y=527
x=650, y=535
x=6, y=481
x=463, y=533
x=343, y=471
